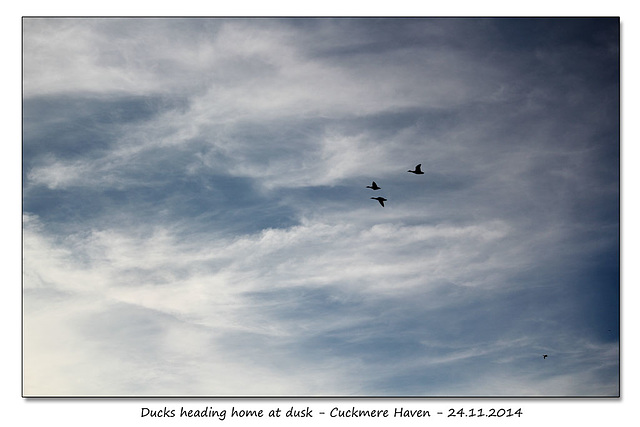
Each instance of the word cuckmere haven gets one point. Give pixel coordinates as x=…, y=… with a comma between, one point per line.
x=377, y=413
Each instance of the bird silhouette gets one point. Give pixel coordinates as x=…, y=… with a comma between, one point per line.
x=544, y=356
x=418, y=170
x=374, y=186
x=380, y=199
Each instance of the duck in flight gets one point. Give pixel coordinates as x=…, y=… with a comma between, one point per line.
x=544, y=356
x=418, y=170
x=380, y=199
x=374, y=186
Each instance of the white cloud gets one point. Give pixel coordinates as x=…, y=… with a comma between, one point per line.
x=237, y=73
x=200, y=289
x=199, y=298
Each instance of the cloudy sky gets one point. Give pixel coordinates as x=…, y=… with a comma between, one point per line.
x=196, y=220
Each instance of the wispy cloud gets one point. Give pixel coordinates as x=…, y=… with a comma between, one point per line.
x=196, y=217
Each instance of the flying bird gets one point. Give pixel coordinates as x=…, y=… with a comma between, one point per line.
x=380, y=199
x=418, y=170
x=544, y=356
x=374, y=186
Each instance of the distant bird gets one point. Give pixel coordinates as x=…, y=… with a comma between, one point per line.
x=544, y=356
x=418, y=170
x=374, y=186
x=380, y=199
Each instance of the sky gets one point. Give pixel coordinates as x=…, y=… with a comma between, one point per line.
x=196, y=220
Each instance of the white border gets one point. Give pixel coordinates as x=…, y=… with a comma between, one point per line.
x=110, y=412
